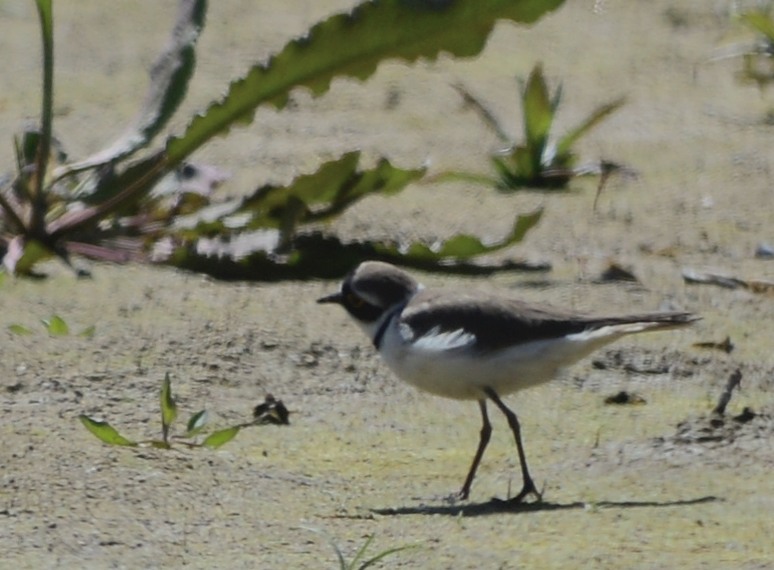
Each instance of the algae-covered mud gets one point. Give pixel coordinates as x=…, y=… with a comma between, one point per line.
x=660, y=484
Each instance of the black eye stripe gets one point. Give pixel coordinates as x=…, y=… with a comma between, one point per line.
x=354, y=300
x=358, y=307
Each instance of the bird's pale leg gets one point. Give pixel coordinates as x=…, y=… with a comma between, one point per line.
x=486, y=432
x=513, y=421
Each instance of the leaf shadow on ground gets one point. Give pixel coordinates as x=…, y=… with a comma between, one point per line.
x=496, y=506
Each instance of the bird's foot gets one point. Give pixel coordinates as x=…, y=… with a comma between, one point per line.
x=527, y=490
x=458, y=497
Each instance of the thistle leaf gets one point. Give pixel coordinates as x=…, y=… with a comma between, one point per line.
x=170, y=76
x=460, y=247
x=324, y=256
x=379, y=31
x=335, y=186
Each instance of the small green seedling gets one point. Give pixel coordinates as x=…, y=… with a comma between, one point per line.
x=359, y=562
x=538, y=162
x=54, y=325
x=757, y=55
x=169, y=412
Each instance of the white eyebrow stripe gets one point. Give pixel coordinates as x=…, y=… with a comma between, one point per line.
x=436, y=341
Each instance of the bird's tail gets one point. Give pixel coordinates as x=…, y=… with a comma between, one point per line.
x=632, y=324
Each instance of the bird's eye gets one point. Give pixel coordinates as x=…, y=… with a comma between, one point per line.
x=354, y=301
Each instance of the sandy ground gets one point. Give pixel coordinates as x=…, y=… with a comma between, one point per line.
x=625, y=486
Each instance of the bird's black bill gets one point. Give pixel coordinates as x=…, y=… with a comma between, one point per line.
x=334, y=298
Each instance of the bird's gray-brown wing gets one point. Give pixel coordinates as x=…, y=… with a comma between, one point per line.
x=494, y=323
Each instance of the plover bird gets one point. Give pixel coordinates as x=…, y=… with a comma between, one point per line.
x=476, y=346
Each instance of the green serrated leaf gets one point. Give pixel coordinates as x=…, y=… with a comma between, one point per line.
x=168, y=407
x=462, y=247
x=220, y=437
x=465, y=247
x=20, y=330
x=384, y=179
x=460, y=176
x=379, y=31
x=105, y=432
x=170, y=76
x=318, y=255
x=56, y=326
x=267, y=206
x=196, y=423
x=315, y=197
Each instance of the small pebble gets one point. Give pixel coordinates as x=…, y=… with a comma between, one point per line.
x=764, y=251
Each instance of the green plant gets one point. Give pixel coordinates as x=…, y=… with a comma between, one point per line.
x=757, y=55
x=359, y=562
x=538, y=162
x=54, y=325
x=104, y=206
x=196, y=423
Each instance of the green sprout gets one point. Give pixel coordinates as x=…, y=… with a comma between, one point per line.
x=55, y=326
x=539, y=161
x=195, y=425
x=757, y=54
x=359, y=561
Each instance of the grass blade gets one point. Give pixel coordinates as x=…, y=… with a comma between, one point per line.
x=385, y=553
x=567, y=141
x=486, y=115
x=361, y=552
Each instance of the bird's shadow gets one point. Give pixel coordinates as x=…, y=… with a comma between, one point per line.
x=497, y=506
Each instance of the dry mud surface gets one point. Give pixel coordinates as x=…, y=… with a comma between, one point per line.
x=646, y=486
